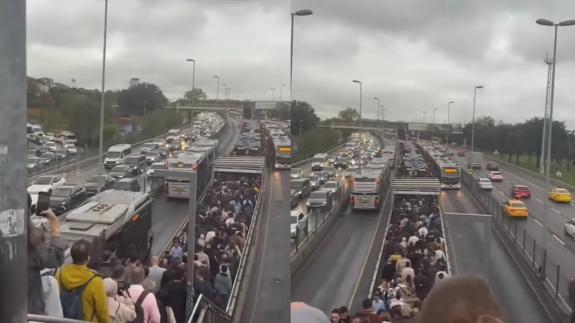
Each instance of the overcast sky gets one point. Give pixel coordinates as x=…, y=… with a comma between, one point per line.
x=415, y=55
x=245, y=42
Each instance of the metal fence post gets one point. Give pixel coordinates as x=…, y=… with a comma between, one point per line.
x=557, y=281
x=544, y=264
x=515, y=226
x=523, y=244
x=533, y=255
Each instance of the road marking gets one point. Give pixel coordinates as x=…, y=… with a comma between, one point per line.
x=559, y=240
x=554, y=210
x=523, y=179
x=538, y=222
x=538, y=200
x=498, y=191
x=471, y=214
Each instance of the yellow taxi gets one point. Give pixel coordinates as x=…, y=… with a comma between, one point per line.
x=560, y=195
x=515, y=208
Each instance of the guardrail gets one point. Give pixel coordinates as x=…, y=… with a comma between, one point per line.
x=51, y=319
x=78, y=163
x=238, y=284
x=205, y=311
x=548, y=276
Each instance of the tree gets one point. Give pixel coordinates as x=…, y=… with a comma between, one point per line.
x=349, y=115
x=303, y=117
x=141, y=99
x=194, y=95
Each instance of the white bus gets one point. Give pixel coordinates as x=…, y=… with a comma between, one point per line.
x=318, y=162
x=283, y=154
x=366, y=191
x=179, y=186
x=450, y=176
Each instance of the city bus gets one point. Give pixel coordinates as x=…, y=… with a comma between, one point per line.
x=177, y=186
x=366, y=191
x=283, y=153
x=450, y=176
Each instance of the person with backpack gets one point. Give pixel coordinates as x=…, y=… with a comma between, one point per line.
x=82, y=292
x=144, y=301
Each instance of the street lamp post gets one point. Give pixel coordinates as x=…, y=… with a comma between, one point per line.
x=434, y=109
x=549, y=63
x=424, y=115
x=448, y=119
x=103, y=94
x=273, y=89
x=473, y=117
x=360, y=95
x=546, y=22
x=301, y=12
x=193, y=79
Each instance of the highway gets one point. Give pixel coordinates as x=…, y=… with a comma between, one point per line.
x=560, y=248
x=473, y=249
x=268, y=295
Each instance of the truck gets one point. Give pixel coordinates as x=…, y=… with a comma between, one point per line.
x=474, y=160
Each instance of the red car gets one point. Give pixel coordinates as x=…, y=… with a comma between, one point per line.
x=520, y=191
x=461, y=153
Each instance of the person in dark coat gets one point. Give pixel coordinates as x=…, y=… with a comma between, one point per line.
x=176, y=297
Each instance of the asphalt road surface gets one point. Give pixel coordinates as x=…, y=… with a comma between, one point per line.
x=473, y=249
x=268, y=295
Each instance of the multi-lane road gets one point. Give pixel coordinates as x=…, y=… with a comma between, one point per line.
x=560, y=247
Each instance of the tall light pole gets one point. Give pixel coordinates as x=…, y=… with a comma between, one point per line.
x=217, y=87
x=377, y=107
x=282, y=91
x=360, y=95
x=448, y=119
x=473, y=117
x=273, y=89
x=549, y=63
x=193, y=79
x=434, y=110
x=546, y=22
x=301, y=12
x=103, y=94
x=424, y=114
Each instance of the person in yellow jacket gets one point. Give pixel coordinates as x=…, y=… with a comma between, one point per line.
x=77, y=274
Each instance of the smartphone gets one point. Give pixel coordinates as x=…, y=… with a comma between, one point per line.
x=43, y=202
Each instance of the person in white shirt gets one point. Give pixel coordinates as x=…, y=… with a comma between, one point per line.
x=423, y=232
x=156, y=273
x=407, y=271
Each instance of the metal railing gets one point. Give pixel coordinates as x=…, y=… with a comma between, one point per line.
x=552, y=276
x=51, y=319
x=239, y=279
x=205, y=311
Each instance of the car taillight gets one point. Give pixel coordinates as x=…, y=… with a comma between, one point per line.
x=352, y=200
x=377, y=201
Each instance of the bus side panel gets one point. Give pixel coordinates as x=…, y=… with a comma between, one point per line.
x=135, y=232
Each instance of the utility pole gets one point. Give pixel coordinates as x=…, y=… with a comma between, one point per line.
x=549, y=63
x=103, y=94
x=13, y=217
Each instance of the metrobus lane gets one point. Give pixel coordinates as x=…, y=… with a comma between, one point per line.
x=474, y=249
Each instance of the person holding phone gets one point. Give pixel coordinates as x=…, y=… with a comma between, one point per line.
x=42, y=254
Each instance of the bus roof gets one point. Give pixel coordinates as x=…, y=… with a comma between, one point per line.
x=240, y=164
x=416, y=186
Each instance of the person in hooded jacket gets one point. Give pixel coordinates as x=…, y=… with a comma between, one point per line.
x=223, y=283
x=121, y=307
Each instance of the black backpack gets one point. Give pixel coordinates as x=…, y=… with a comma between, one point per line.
x=139, y=309
x=72, y=301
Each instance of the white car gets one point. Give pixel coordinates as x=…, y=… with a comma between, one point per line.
x=50, y=145
x=296, y=173
x=496, y=176
x=46, y=183
x=153, y=168
x=570, y=228
x=485, y=183
x=298, y=222
x=71, y=148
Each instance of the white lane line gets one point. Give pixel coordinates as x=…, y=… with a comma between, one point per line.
x=559, y=240
x=470, y=214
x=554, y=210
x=538, y=222
x=523, y=179
x=498, y=191
x=538, y=200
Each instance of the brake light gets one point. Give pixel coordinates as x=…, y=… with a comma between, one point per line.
x=377, y=201
x=352, y=200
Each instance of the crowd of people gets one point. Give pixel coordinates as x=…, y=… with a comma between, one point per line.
x=150, y=290
x=223, y=220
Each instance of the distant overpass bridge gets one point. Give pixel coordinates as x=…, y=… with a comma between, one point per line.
x=335, y=126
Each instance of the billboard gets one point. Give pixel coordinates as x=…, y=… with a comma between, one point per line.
x=417, y=126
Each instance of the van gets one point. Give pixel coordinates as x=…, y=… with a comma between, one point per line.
x=115, y=154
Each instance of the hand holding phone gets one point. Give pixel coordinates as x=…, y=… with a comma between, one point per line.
x=43, y=203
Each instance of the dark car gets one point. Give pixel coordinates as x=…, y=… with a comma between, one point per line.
x=61, y=153
x=520, y=191
x=53, y=159
x=121, y=171
x=340, y=163
x=319, y=199
x=98, y=183
x=295, y=196
x=66, y=197
x=492, y=166
x=330, y=171
x=136, y=162
x=127, y=184
x=323, y=176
